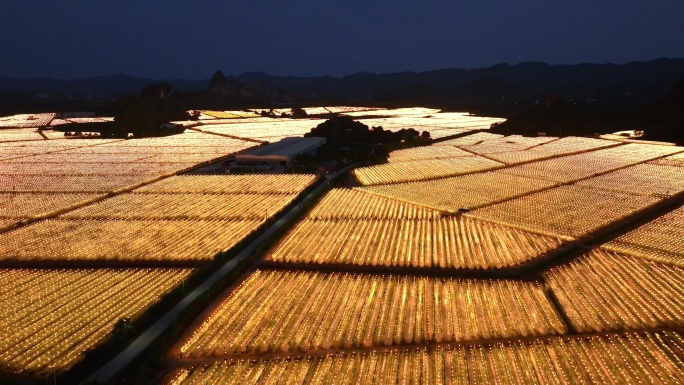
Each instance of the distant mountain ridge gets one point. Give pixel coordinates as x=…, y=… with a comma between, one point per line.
x=640, y=80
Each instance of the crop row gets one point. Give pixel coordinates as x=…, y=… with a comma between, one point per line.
x=653, y=179
x=607, y=291
x=27, y=205
x=186, y=206
x=27, y=120
x=676, y=160
x=646, y=358
x=507, y=144
x=426, y=152
x=104, y=169
x=51, y=317
x=123, y=240
x=281, y=311
x=567, y=211
x=570, y=144
x=661, y=240
x=450, y=242
x=357, y=204
x=224, y=184
x=580, y=166
x=423, y=169
x=271, y=130
x=461, y=192
x=69, y=183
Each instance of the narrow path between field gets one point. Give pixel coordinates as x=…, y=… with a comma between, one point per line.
x=143, y=341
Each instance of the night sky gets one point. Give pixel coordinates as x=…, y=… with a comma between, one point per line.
x=192, y=39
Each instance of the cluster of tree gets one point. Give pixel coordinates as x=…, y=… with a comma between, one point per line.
x=662, y=120
x=342, y=130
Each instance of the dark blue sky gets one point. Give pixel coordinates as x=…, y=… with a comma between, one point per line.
x=191, y=39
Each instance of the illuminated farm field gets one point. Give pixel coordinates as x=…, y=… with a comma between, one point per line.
x=645, y=178
x=124, y=240
x=613, y=358
x=230, y=184
x=282, y=311
x=450, y=242
x=660, y=240
x=462, y=192
x=71, y=183
x=356, y=204
x=580, y=166
x=52, y=317
x=568, y=212
x=423, y=169
x=607, y=291
x=426, y=152
x=18, y=206
x=186, y=206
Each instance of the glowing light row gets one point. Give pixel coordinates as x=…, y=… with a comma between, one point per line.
x=356, y=204
x=507, y=144
x=643, y=178
x=462, y=192
x=607, y=291
x=661, y=240
x=450, y=242
x=426, y=152
x=570, y=144
x=52, y=317
x=223, y=184
x=567, y=211
x=186, y=206
x=423, y=169
x=26, y=205
x=133, y=168
x=27, y=120
x=93, y=239
x=615, y=358
x=282, y=311
x=69, y=183
x=575, y=167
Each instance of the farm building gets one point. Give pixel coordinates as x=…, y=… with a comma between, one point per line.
x=280, y=153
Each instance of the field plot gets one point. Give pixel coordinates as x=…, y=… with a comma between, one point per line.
x=230, y=114
x=27, y=120
x=450, y=242
x=426, y=152
x=469, y=140
x=579, y=166
x=232, y=184
x=645, y=178
x=186, y=206
x=648, y=358
x=28, y=205
x=72, y=156
x=356, y=204
x=607, y=291
x=567, y=145
x=567, y=211
x=52, y=317
x=461, y=192
x=126, y=169
x=10, y=150
x=19, y=134
x=661, y=240
x=423, y=169
x=123, y=240
x=507, y=144
x=676, y=160
x=281, y=311
x=270, y=130
x=69, y=183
